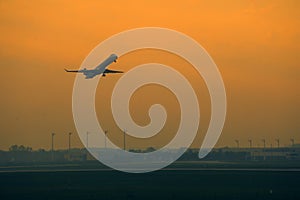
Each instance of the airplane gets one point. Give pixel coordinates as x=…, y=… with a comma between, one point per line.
x=100, y=69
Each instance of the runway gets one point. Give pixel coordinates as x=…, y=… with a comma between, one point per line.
x=78, y=168
x=168, y=183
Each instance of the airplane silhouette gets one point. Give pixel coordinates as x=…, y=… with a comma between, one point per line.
x=100, y=69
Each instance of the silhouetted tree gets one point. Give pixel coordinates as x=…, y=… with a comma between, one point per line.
x=13, y=147
x=21, y=148
x=41, y=150
x=150, y=149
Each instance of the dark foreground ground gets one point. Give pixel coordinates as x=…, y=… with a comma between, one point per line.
x=172, y=183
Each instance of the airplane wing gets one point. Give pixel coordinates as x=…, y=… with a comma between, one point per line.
x=71, y=70
x=112, y=71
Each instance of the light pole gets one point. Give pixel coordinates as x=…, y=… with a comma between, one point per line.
x=87, y=139
x=237, y=143
x=277, y=140
x=70, y=141
x=52, y=141
x=264, y=142
x=250, y=143
x=124, y=140
x=52, y=146
x=292, y=142
x=105, y=132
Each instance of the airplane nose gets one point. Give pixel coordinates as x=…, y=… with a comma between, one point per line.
x=114, y=55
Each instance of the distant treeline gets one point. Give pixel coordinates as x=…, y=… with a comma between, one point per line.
x=24, y=154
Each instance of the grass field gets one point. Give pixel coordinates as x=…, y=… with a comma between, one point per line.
x=165, y=184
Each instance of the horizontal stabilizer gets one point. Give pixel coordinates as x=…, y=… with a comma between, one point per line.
x=71, y=70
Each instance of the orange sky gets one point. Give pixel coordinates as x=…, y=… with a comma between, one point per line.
x=254, y=43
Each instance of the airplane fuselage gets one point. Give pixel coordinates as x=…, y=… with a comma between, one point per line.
x=101, y=68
